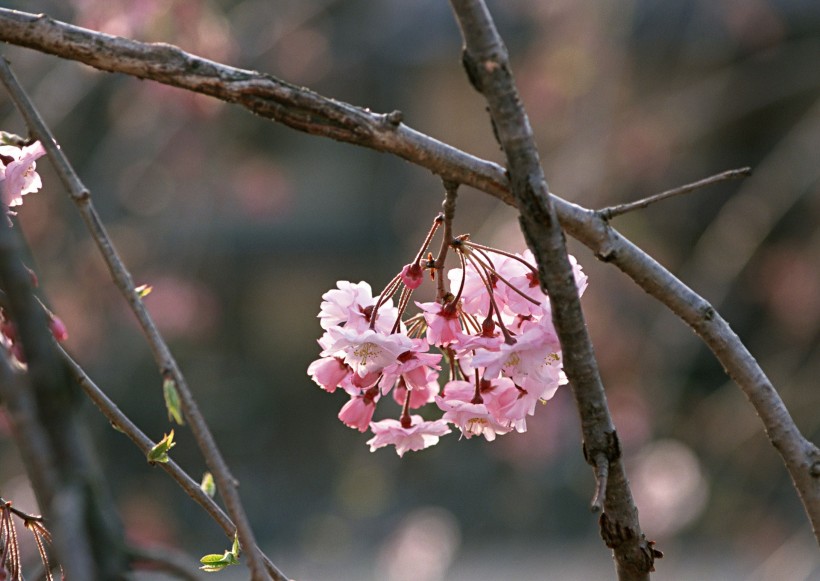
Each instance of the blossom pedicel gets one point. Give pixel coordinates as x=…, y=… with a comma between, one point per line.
x=493, y=328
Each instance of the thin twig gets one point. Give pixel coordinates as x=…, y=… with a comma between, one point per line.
x=226, y=483
x=372, y=130
x=611, y=211
x=601, y=478
x=23, y=515
x=123, y=423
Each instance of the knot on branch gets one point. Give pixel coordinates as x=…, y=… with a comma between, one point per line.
x=616, y=535
x=394, y=118
x=610, y=448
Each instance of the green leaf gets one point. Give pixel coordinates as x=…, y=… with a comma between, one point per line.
x=207, y=485
x=235, y=547
x=169, y=391
x=159, y=453
x=214, y=563
x=143, y=290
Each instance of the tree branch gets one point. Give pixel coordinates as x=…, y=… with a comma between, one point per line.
x=488, y=68
x=611, y=211
x=123, y=423
x=388, y=134
x=226, y=483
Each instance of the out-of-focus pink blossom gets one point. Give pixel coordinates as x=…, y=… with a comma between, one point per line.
x=418, y=436
x=58, y=328
x=18, y=171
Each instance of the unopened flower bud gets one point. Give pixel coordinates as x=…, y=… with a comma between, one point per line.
x=412, y=275
x=58, y=328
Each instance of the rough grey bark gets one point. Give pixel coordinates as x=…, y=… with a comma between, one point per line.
x=488, y=68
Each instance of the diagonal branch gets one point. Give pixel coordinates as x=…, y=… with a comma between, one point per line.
x=485, y=59
x=122, y=422
x=226, y=483
x=388, y=134
x=732, y=174
x=262, y=94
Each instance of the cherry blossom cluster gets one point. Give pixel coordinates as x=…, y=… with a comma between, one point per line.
x=492, y=330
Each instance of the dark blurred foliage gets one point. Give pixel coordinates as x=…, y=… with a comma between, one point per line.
x=240, y=225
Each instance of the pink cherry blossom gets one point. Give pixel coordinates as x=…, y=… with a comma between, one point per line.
x=351, y=305
x=412, y=365
x=19, y=175
x=420, y=394
x=366, y=351
x=473, y=419
x=508, y=403
x=328, y=372
x=419, y=435
x=528, y=356
x=443, y=326
x=358, y=411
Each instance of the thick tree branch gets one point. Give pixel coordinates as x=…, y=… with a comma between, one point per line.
x=488, y=68
x=386, y=133
x=226, y=483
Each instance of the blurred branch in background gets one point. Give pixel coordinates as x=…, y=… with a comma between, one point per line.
x=226, y=483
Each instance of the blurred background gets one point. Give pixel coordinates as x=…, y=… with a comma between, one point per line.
x=240, y=225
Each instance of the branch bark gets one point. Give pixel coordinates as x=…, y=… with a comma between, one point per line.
x=306, y=111
x=485, y=59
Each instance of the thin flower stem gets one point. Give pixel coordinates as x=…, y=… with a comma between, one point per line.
x=508, y=338
x=22, y=515
x=477, y=397
x=470, y=243
x=436, y=223
x=449, y=207
x=405, y=420
x=512, y=287
x=388, y=292
x=226, y=483
x=404, y=299
x=611, y=211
